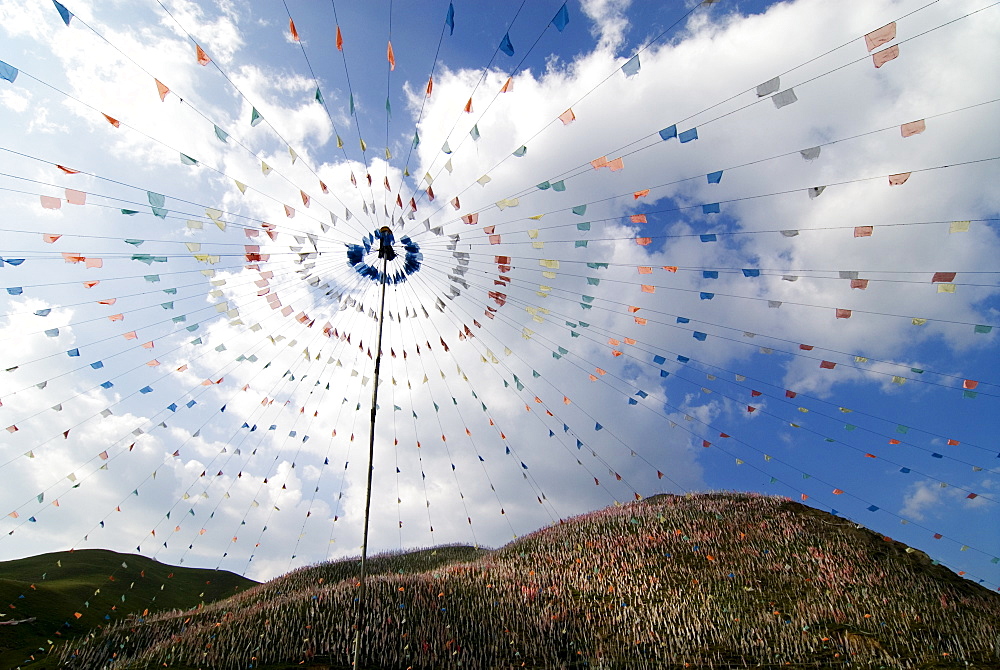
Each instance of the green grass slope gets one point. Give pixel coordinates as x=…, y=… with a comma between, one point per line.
x=102, y=586
x=719, y=581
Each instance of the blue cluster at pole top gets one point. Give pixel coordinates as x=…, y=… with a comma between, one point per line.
x=411, y=257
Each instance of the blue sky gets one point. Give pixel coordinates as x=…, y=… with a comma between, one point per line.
x=702, y=74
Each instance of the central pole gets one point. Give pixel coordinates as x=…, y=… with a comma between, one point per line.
x=385, y=253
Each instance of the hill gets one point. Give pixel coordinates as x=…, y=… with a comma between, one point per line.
x=711, y=580
x=44, y=593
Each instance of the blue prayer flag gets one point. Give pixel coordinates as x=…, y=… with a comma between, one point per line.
x=701, y=337
x=747, y=272
x=64, y=13
x=668, y=132
x=561, y=18
x=506, y=46
x=715, y=177
x=449, y=19
x=712, y=208
x=8, y=72
x=688, y=135
x=708, y=238
x=632, y=66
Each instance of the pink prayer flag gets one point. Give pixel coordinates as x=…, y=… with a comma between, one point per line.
x=117, y=317
x=859, y=283
x=305, y=198
x=898, y=179
x=638, y=218
x=130, y=336
x=91, y=284
x=882, y=57
x=148, y=345
x=843, y=313
x=494, y=239
x=49, y=238
x=48, y=202
x=863, y=231
x=286, y=310
x=289, y=211
x=73, y=258
x=94, y=263
x=153, y=363
x=877, y=38
x=912, y=128
x=567, y=117
x=471, y=219
x=508, y=85
x=455, y=203
x=76, y=197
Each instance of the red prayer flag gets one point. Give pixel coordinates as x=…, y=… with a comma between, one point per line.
x=291, y=28
x=340, y=40
x=391, y=56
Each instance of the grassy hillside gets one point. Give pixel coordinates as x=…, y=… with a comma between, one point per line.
x=712, y=580
x=102, y=586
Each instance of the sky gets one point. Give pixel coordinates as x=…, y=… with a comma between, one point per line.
x=188, y=355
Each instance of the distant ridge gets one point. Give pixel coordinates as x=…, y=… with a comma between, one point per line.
x=719, y=580
x=48, y=590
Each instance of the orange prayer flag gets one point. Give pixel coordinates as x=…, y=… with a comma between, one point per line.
x=203, y=58
x=162, y=89
x=838, y=492
x=670, y=268
x=291, y=28
x=629, y=340
x=567, y=401
x=391, y=56
x=601, y=372
x=640, y=321
x=305, y=198
x=340, y=40
x=638, y=218
x=567, y=117
x=863, y=231
x=646, y=288
x=430, y=85
x=912, y=128
x=50, y=238
x=877, y=38
x=592, y=378
x=632, y=309
x=640, y=194
x=880, y=58
x=599, y=162
x=616, y=164
x=508, y=85
x=843, y=313
x=645, y=270
x=953, y=443
x=613, y=342
x=898, y=179
x=643, y=241
x=468, y=106
x=969, y=384
x=115, y=122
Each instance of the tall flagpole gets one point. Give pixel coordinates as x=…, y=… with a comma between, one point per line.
x=385, y=253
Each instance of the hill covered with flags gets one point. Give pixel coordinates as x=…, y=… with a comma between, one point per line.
x=720, y=580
